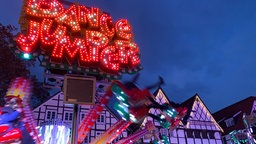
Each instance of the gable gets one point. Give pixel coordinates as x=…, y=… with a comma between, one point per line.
x=199, y=126
x=52, y=101
x=161, y=99
x=201, y=118
x=56, y=103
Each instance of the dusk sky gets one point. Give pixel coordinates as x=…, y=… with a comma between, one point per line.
x=198, y=46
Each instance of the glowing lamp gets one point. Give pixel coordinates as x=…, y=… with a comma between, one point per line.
x=122, y=111
x=26, y=56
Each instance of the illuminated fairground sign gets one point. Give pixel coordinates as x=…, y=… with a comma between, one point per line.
x=77, y=38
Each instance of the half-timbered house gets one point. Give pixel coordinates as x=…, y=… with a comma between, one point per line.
x=55, y=109
x=198, y=127
x=232, y=119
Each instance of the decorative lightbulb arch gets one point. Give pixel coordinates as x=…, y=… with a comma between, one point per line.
x=78, y=38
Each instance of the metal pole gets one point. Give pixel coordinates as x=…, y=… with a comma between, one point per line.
x=75, y=122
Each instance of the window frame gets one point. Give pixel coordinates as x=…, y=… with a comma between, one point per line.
x=50, y=114
x=68, y=116
x=101, y=119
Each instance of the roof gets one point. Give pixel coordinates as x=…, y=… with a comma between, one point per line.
x=47, y=99
x=236, y=111
x=160, y=90
x=189, y=103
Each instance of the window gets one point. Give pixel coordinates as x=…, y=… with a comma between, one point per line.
x=197, y=134
x=82, y=115
x=86, y=140
x=205, y=134
x=101, y=119
x=50, y=115
x=68, y=116
x=116, y=139
x=190, y=133
x=98, y=133
x=211, y=135
x=230, y=122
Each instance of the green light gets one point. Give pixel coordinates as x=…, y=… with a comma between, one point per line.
x=122, y=111
x=164, y=123
x=155, y=141
x=165, y=139
x=26, y=56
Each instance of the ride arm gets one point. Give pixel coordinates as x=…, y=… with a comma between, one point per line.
x=8, y=117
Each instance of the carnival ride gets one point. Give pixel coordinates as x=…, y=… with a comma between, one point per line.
x=55, y=131
x=17, y=124
x=133, y=106
x=239, y=136
x=87, y=123
x=149, y=128
x=248, y=134
x=16, y=119
x=111, y=52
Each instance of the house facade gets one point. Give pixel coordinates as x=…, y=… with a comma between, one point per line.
x=198, y=127
x=56, y=111
x=238, y=121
